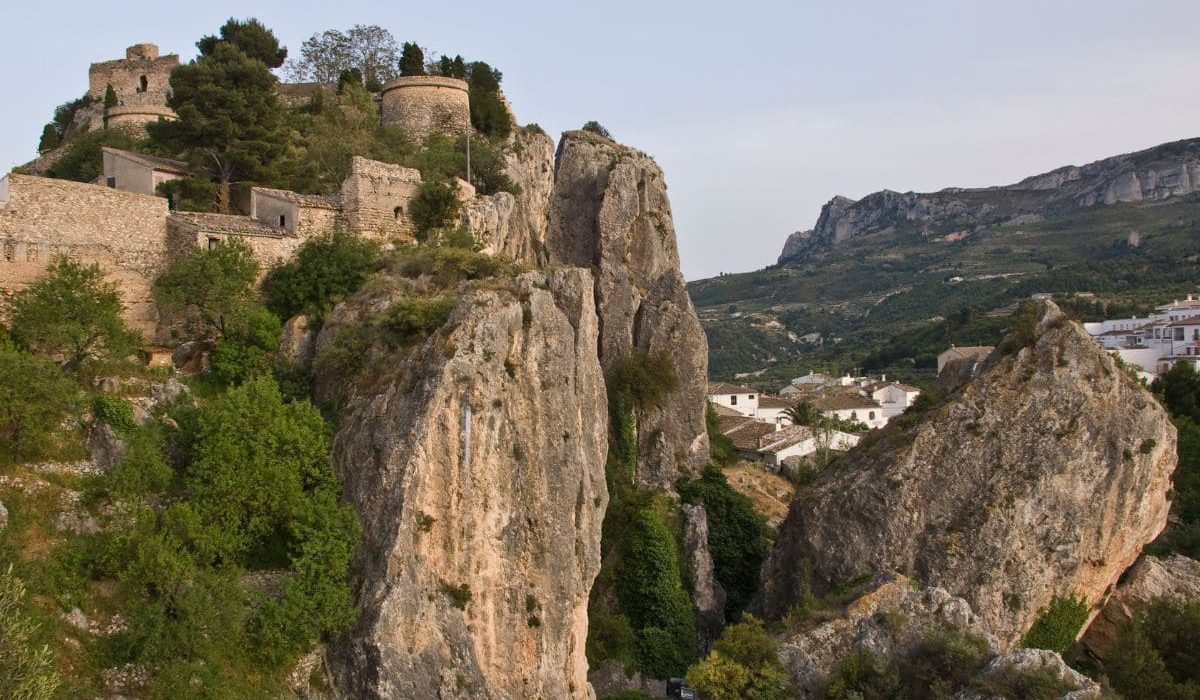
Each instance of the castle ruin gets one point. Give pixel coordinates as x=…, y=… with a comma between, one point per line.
x=142, y=83
x=427, y=104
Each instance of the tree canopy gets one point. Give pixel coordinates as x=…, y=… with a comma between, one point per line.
x=369, y=48
x=211, y=285
x=412, y=59
x=251, y=36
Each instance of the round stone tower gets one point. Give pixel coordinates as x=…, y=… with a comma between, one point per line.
x=427, y=104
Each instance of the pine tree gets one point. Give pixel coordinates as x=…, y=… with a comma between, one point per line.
x=252, y=37
x=412, y=60
x=110, y=97
x=230, y=120
x=49, y=140
x=489, y=114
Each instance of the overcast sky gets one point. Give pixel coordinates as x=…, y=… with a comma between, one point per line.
x=758, y=111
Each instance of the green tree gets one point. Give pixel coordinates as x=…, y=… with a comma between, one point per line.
x=324, y=271
x=369, y=48
x=209, y=285
x=82, y=161
x=35, y=399
x=49, y=140
x=247, y=346
x=29, y=669
x=110, y=97
x=1179, y=389
x=803, y=413
x=1157, y=652
x=230, y=119
x=489, y=114
x=595, y=127
x=251, y=37
x=350, y=76
x=71, y=315
x=743, y=663
x=412, y=59
x=436, y=207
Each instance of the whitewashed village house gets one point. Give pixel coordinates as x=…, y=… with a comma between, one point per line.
x=1156, y=343
x=742, y=399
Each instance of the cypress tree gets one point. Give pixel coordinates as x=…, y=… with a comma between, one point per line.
x=412, y=60
x=49, y=140
x=110, y=97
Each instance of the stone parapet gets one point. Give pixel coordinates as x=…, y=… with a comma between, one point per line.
x=427, y=104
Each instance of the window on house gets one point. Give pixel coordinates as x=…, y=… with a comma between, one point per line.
x=213, y=243
x=750, y=397
x=871, y=415
x=854, y=415
x=143, y=84
x=111, y=182
x=732, y=400
x=282, y=220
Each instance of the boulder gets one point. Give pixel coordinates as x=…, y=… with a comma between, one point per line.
x=708, y=596
x=106, y=448
x=3, y=517
x=1043, y=477
x=1024, y=661
x=476, y=464
x=610, y=212
x=1150, y=578
x=297, y=343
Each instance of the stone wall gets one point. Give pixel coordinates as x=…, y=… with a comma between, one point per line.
x=376, y=199
x=124, y=232
x=125, y=75
x=425, y=105
x=133, y=119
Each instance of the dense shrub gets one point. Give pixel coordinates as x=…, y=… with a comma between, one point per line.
x=1057, y=625
x=863, y=676
x=610, y=636
x=35, y=399
x=737, y=535
x=743, y=663
x=1157, y=652
x=489, y=114
x=596, y=128
x=414, y=318
x=29, y=671
x=209, y=286
x=720, y=448
x=72, y=315
x=248, y=345
x=645, y=379
x=324, y=271
x=115, y=412
x=82, y=161
x=435, y=207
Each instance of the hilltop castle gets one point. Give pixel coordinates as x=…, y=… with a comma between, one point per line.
x=120, y=222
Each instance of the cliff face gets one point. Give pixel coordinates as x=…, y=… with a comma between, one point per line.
x=1155, y=174
x=1045, y=476
x=609, y=211
x=1175, y=577
x=478, y=473
x=515, y=225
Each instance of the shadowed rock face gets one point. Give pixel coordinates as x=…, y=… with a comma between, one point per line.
x=1045, y=476
x=1150, y=578
x=478, y=474
x=514, y=225
x=609, y=211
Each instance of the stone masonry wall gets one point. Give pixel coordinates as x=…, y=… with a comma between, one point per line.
x=122, y=231
x=424, y=105
x=125, y=74
x=376, y=198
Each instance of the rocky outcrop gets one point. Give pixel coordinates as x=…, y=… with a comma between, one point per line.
x=514, y=225
x=1017, y=662
x=1044, y=476
x=708, y=596
x=1150, y=578
x=1155, y=174
x=476, y=464
x=610, y=211
x=297, y=343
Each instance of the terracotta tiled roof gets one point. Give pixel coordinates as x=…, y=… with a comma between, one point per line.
x=725, y=411
x=776, y=402
x=747, y=436
x=843, y=402
x=723, y=389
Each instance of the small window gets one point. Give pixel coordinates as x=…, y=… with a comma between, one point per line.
x=750, y=397
x=871, y=416
x=143, y=84
x=282, y=220
x=213, y=243
x=397, y=212
x=732, y=400
x=854, y=415
x=111, y=182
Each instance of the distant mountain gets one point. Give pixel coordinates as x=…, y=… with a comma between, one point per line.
x=1155, y=174
x=886, y=282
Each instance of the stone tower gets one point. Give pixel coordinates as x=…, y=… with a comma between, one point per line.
x=427, y=104
x=142, y=83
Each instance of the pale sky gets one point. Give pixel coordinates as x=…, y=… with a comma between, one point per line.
x=758, y=111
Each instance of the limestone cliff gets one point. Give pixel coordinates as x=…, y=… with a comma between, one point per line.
x=1151, y=577
x=476, y=464
x=1162, y=172
x=609, y=211
x=514, y=225
x=1045, y=476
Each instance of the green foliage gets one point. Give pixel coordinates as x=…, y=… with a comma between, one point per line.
x=230, y=119
x=347, y=78
x=110, y=96
x=1058, y=625
x=443, y=158
x=115, y=412
x=1030, y=684
x=247, y=346
x=629, y=695
x=435, y=207
x=863, y=676
x=64, y=114
x=737, y=535
x=644, y=378
x=412, y=59
x=369, y=49
x=650, y=589
x=943, y=662
x=143, y=469
x=210, y=285
x=35, y=399
x=414, y=318
x=1179, y=390
x=610, y=636
x=452, y=67
x=83, y=160
x=594, y=127
x=459, y=595
x=49, y=139
x=72, y=316
x=489, y=114
x=743, y=663
x=192, y=193
x=324, y=271
x=251, y=37
x=29, y=669
x=720, y=448
x=1157, y=652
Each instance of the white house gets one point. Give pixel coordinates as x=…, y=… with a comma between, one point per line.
x=742, y=399
x=1154, y=344
x=893, y=397
x=773, y=409
x=852, y=407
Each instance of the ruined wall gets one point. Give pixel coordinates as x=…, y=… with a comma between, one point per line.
x=133, y=119
x=376, y=198
x=424, y=105
x=316, y=221
x=125, y=75
x=268, y=210
x=124, y=232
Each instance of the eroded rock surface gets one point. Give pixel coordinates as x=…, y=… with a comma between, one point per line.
x=1044, y=476
x=476, y=464
x=609, y=211
x=514, y=225
x=1150, y=578
x=708, y=596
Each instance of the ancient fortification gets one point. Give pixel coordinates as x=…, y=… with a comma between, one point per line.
x=120, y=223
